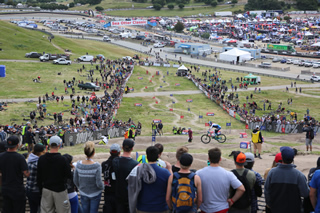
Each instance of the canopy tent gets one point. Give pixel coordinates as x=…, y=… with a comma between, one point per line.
x=316, y=44
x=182, y=68
x=252, y=79
x=235, y=55
x=251, y=76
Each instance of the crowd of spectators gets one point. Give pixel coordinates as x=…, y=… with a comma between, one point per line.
x=152, y=184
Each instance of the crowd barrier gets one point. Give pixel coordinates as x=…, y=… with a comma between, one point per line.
x=280, y=128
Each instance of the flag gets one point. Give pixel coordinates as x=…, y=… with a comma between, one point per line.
x=182, y=116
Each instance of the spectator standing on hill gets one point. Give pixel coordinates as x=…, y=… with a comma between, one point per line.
x=285, y=185
x=186, y=176
x=29, y=139
x=33, y=193
x=12, y=167
x=160, y=127
x=122, y=167
x=215, y=190
x=309, y=136
x=109, y=180
x=180, y=151
x=257, y=190
x=154, y=128
x=147, y=185
x=190, y=135
x=256, y=138
x=87, y=178
x=248, y=179
x=53, y=171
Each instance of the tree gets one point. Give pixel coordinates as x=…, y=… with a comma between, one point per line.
x=263, y=5
x=234, y=1
x=99, y=8
x=220, y=1
x=205, y=35
x=207, y=2
x=171, y=6
x=307, y=4
x=287, y=18
x=214, y=3
x=179, y=26
x=161, y=2
x=181, y=6
x=71, y=4
x=157, y=6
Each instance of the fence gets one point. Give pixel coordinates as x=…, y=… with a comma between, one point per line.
x=280, y=128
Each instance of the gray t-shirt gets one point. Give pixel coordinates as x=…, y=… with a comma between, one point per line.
x=216, y=182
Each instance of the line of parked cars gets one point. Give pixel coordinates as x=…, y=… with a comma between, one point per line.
x=301, y=63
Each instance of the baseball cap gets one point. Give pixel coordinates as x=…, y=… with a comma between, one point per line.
x=249, y=157
x=115, y=148
x=239, y=158
x=55, y=140
x=287, y=153
x=128, y=143
x=12, y=141
x=257, y=126
x=132, y=126
x=28, y=122
x=186, y=159
x=278, y=158
x=39, y=148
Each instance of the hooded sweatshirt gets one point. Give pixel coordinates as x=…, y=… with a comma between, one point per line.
x=53, y=171
x=142, y=171
x=31, y=184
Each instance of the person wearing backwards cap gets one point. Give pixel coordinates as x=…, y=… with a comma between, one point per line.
x=277, y=159
x=185, y=163
x=53, y=171
x=256, y=138
x=12, y=168
x=240, y=171
x=122, y=167
x=109, y=179
x=285, y=185
x=257, y=190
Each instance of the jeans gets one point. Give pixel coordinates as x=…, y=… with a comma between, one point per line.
x=34, y=199
x=74, y=203
x=90, y=204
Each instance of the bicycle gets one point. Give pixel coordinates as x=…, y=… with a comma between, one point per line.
x=206, y=138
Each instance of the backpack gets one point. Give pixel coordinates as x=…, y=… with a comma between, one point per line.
x=107, y=170
x=126, y=134
x=311, y=134
x=183, y=193
x=245, y=200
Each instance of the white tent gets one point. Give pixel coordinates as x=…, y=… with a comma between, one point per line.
x=316, y=44
x=182, y=68
x=235, y=55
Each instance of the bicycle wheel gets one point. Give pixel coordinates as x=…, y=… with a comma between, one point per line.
x=205, y=139
x=221, y=138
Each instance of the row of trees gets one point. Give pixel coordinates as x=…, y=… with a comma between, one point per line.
x=280, y=5
x=53, y=6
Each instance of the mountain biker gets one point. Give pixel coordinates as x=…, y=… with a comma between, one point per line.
x=216, y=126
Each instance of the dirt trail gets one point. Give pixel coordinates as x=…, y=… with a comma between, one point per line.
x=161, y=80
x=152, y=72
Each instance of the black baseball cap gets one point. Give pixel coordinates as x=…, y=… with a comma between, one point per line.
x=128, y=143
x=186, y=159
x=12, y=141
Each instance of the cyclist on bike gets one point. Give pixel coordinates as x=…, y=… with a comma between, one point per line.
x=216, y=126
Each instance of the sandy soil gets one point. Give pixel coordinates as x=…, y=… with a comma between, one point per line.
x=199, y=150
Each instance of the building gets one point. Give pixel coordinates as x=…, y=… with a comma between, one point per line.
x=193, y=49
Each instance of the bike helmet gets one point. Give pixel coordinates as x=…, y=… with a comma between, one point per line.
x=210, y=122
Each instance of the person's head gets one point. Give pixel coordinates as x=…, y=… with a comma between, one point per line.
x=132, y=126
x=12, y=142
x=181, y=150
x=127, y=145
x=115, y=149
x=152, y=154
x=249, y=160
x=89, y=149
x=214, y=155
x=185, y=161
x=68, y=158
x=29, y=128
x=277, y=159
x=210, y=123
x=239, y=158
x=39, y=150
x=160, y=147
x=55, y=142
x=257, y=127
x=287, y=154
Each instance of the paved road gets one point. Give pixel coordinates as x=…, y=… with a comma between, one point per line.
x=188, y=59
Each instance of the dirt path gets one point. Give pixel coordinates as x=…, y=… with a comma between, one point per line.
x=161, y=80
x=152, y=72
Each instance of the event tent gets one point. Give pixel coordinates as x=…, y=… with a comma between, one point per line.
x=235, y=55
x=252, y=79
x=182, y=71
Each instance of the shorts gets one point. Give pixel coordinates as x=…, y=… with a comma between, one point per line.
x=257, y=145
x=308, y=142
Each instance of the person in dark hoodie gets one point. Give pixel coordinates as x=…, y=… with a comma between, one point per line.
x=53, y=171
x=32, y=189
x=256, y=138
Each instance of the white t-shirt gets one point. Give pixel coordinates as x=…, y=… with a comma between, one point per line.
x=216, y=182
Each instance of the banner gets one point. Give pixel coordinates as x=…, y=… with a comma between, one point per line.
x=133, y=22
x=156, y=64
x=166, y=65
x=138, y=104
x=210, y=114
x=189, y=100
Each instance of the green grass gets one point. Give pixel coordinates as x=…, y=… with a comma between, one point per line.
x=300, y=103
x=16, y=41
x=284, y=144
x=311, y=91
x=175, y=12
